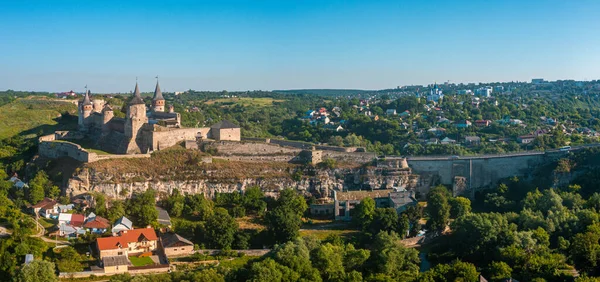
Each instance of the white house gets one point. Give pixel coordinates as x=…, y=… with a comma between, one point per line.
x=390, y=112
x=64, y=218
x=122, y=224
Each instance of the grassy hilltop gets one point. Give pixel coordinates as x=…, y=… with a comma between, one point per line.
x=36, y=115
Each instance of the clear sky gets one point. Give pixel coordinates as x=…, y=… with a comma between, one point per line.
x=252, y=45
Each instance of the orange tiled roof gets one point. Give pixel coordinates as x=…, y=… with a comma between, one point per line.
x=46, y=203
x=98, y=223
x=126, y=237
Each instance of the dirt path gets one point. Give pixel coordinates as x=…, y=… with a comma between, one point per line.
x=42, y=231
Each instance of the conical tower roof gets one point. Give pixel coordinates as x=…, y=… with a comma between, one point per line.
x=137, y=98
x=157, y=93
x=86, y=98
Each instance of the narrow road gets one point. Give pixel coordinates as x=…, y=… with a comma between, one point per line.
x=42, y=231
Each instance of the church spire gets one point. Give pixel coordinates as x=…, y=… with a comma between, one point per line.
x=157, y=93
x=137, y=98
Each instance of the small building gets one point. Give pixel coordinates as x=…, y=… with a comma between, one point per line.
x=447, y=141
x=122, y=224
x=437, y=131
x=390, y=112
x=473, y=140
x=525, y=139
x=405, y=113
x=483, y=123
x=174, y=245
x=163, y=217
x=46, y=208
x=65, y=208
x=322, y=210
x=345, y=202
x=64, y=218
x=116, y=264
x=96, y=224
x=462, y=124
x=128, y=243
x=28, y=258
x=225, y=130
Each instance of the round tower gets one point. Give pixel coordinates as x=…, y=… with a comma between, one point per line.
x=107, y=115
x=136, y=114
x=158, y=102
x=85, y=110
x=171, y=109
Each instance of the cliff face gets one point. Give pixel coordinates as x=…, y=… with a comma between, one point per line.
x=319, y=182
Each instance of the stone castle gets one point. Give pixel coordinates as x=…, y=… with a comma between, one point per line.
x=142, y=130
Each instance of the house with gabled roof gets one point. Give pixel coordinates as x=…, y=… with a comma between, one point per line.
x=128, y=243
x=174, y=245
x=46, y=208
x=96, y=224
x=122, y=224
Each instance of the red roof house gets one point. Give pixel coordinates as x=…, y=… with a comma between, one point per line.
x=129, y=242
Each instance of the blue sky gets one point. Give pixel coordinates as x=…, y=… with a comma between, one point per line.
x=252, y=45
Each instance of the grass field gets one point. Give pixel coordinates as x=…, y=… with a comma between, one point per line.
x=47, y=223
x=324, y=233
x=243, y=101
x=31, y=116
x=141, y=261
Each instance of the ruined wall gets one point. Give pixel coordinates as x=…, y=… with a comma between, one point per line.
x=58, y=149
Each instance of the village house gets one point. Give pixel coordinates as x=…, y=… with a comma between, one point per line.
x=483, y=123
x=437, y=131
x=174, y=245
x=163, y=217
x=447, y=141
x=525, y=139
x=462, y=124
x=122, y=224
x=47, y=208
x=128, y=243
x=405, y=113
x=473, y=140
x=390, y=112
x=116, y=264
x=96, y=224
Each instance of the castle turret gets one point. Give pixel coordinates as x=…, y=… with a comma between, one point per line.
x=171, y=109
x=136, y=118
x=107, y=115
x=158, y=102
x=85, y=110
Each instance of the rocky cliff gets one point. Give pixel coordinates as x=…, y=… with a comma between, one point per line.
x=121, y=178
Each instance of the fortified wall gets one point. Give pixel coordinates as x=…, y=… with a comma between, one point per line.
x=52, y=148
x=271, y=150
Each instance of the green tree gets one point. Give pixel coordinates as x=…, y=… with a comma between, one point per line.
x=253, y=200
x=141, y=208
x=100, y=206
x=37, y=271
x=385, y=219
x=391, y=258
x=285, y=218
x=68, y=260
x=220, y=229
x=116, y=210
x=364, y=213
x=459, y=206
x=438, y=209
x=198, y=206
x=329, y=260
x=498, y=271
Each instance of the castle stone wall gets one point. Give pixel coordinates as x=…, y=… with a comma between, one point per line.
x=58, y=149
x=164, y=139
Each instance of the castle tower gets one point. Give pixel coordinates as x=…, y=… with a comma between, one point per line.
x=158, y=102
x=136, y=118
x=107, y=115
x=171, y=109
x=85, y=110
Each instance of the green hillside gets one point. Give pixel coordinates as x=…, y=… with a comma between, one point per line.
x=36, y=115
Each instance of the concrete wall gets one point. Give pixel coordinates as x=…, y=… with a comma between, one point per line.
x=480, y=171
